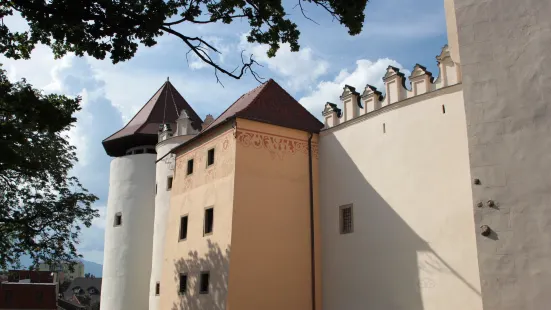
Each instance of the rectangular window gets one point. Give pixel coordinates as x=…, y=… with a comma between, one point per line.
x=118, y=219
x=157, y=288
x=39, y=296
x=204, y=283
x=183, y=283
x=209, y=221
x=210, y=157
x=8, y=297
x=183, y=227
x=189, y=166
x=346, y=219
x=169, y=183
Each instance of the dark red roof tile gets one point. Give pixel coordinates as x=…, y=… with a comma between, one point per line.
x=270, y=103
x=163, y=107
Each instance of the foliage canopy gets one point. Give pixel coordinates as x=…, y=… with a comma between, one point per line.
x=41, y=205
x=117, y=27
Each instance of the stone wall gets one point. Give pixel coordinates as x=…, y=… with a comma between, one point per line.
x=505, y=48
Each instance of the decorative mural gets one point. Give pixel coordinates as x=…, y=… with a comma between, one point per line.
x=278, y=146
x=223, y=166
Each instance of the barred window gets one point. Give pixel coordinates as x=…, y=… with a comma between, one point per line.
x=346, y=219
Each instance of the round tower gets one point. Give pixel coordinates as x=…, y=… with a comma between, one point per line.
x=131, y=202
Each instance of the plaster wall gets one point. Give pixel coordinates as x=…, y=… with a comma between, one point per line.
x=164, y=169
x=206, y=187
x=413, y=242
x=506, y=63
x=271, y=253
x=127, y=253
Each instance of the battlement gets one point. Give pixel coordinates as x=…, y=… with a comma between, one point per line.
x=421, y=82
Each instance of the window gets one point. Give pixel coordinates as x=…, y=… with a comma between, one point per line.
x=209, y=221
x=155, y=188
x=169, y=183
x=189, y=166
x=346, y=219
x=443, y=109
x=204, y=283
x=183, y=283
x=210, y=157
x=183, y=228
x=157, y=288
x=118, y=219
x=8, y=297
x=39, y=296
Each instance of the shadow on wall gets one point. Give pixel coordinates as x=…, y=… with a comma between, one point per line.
x=385, y=265
x=216, y=261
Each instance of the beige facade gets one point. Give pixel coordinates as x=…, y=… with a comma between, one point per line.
x=259, y=189
x=206, y=187
x=271, y=250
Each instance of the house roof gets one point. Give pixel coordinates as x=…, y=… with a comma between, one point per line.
x=85, y=284
x=164, y=107
x=270, y=103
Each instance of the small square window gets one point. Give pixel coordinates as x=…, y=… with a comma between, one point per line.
x=183, y=228
x=189, y=166
x=169, y=183
x=157, y=288
x=204, y=283
x=210, y=157
x=183, y=283
x=118, y=219
x=346, y=219
x=209, y=221
x=39, y=296
x=8, y=297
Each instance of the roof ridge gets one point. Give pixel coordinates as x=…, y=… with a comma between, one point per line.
x=265, y=85
x=231, y=105
x=137, y=113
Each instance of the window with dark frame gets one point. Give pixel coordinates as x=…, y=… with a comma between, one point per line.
x=210, y=157
x=118, y=219
x=8, y=297
x=157, y=288
x=346, y=219
x=189, y=166
x=39, y=296
x=169, y=183
x=183, y=228
x=204, y=283
x=209, y=221
x=183, y=283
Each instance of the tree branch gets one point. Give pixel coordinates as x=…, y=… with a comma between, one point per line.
x=201, y=53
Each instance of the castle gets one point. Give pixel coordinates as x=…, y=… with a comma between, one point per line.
x=432, y=195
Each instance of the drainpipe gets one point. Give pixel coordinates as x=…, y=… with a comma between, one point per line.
x=312, y=247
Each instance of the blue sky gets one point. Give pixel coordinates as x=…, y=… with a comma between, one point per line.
x=396, y=32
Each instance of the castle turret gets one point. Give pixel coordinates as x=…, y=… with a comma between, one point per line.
x=131, y=202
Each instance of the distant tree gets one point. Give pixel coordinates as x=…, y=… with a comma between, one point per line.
x=89, y=275
x=98, y=27
x=41, y=206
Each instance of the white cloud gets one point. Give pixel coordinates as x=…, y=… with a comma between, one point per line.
x=300, y=69
x=366, y=72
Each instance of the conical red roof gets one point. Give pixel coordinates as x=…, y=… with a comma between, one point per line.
x=164, y=107
x=270, y=103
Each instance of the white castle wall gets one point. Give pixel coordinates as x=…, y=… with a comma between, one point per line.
x=127, y=253
x=404, y=166
x=164, y=169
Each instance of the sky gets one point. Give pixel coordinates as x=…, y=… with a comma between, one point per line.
x=400, y=33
